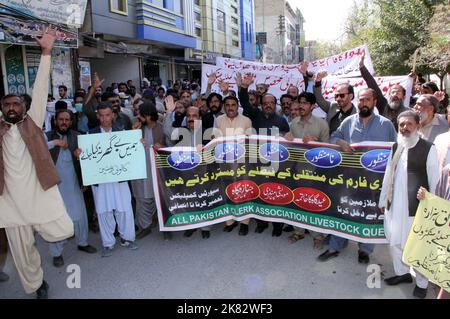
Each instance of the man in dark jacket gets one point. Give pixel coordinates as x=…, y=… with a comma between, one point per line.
x=266, y=122
x=63, y=147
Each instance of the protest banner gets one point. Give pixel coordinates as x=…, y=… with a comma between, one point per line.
x=345, y=64
x=341, y=68
x=427, y=249
x=278, y=84
x=15, y=29
x=68, y=12
x=313, y=186
x=112, y=157
x=329, y=85
x=258, y=67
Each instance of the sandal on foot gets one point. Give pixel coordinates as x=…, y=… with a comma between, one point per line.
x=295, y=238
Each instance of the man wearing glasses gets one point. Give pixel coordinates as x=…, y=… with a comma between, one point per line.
x=362, y=127
x=339, y=110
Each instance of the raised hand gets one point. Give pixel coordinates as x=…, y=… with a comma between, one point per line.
x=321, y=75
x=239, y=79
x=170, y=104
x=361, y=61
x=47, y=40
x=224, y=86
x=96, y=81
x=212, y=78
x=247, y=80
x=303, y=67
x=440, y=95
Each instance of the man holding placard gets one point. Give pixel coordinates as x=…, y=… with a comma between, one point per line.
x=113, y=200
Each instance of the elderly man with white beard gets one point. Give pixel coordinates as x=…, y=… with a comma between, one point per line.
x=406, y=172
x=431, y=123
x=395, y=103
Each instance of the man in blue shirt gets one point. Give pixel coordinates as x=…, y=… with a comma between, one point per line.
x=362, y=127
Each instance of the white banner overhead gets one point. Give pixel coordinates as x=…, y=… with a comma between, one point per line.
x=341, y=68
x=330, y=84
x=258, y=67
x=345, y=64
x=278, y=84
x=67, y=12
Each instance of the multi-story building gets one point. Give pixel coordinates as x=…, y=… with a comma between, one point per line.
x=223, y=28
x=139, y=38
x=282, y=26
x=248, y=37
x=131, y=39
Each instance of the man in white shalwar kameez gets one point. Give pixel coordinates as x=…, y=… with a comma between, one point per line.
x=113, y=200
x=29, y=197
x=413, y=164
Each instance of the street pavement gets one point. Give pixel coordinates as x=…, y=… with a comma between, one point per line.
x=226, y=265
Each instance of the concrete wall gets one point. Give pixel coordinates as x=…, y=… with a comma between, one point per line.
x=219, y=41
x=117, y=68
x=267, y=20
x=107, y=22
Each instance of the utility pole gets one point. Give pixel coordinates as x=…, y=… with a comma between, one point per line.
x=281, y=32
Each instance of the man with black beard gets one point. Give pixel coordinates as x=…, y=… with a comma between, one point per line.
x=63, y=146
x=98, y=93
x=121, y=120
x=214, y=103
x=190, y=136
x=265, y=122
x=413, y=164
x=341, y=108
x=29, y=197
x=362, y=127
x=389, y=108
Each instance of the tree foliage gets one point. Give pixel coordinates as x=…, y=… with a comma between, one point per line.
x=394, y=29
x=435, y=55
x=324, y=49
